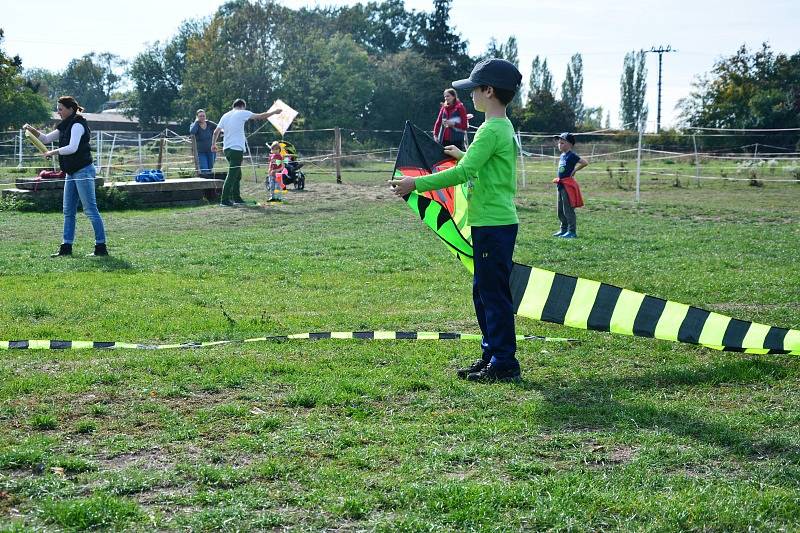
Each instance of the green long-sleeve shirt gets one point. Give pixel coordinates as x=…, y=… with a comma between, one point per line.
x=490, y=168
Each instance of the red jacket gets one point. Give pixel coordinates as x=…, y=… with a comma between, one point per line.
x=457, y=110
x=573, y=190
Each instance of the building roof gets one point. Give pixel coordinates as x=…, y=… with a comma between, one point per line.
x=111, y=118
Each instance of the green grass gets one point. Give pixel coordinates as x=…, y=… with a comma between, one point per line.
x=614, y=433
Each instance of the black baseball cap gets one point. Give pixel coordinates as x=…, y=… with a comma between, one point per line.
x=567, y=136
x=493, y=72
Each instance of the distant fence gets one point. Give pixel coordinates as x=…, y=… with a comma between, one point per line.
x=121, y=155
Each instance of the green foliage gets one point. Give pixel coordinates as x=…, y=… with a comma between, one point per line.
x=404, y=85
x=541, y=79
x=19, y=101
x=544, y=113
x=633, y=90
x=436, y=40
x=91, y=79
x=317, y=81
x=748, y=90
x=572, y=88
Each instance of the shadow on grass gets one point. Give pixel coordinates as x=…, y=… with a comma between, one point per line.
x=110, y=263
x=595, y=403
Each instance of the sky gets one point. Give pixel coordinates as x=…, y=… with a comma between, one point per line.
x=602, y=32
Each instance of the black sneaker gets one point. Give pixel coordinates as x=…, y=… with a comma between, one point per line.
x=238, y=201
x=477, y=366
x=64, y=249
x=100, y=250
x=491, y=373
x=226, y=203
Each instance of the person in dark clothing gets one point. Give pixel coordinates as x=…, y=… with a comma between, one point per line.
x=203, y=131
x=75, y=159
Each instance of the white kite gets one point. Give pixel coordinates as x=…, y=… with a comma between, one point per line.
x=284, y=119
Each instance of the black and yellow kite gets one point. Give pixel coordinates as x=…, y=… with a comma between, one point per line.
x=577, y=302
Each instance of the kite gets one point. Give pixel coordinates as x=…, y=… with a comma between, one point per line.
x=36, y=142
x=284, y=119
x=569, y=300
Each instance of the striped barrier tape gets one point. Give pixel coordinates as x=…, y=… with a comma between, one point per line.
x=361, y=335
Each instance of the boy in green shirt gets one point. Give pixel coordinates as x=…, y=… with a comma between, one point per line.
x=489, y=167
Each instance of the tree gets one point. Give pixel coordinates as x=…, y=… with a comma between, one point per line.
x=407, y=87
x=18, y=102
x=593, y=118
x=541, y=78
x=91, y=79
x=436, y=40
x=572, y=88
x=157, y=75
x=544, y=113
x=44, y=82
x=316, y=85
x=380, y=27
x=239, y=54
x=758, y=90
x=633, y=86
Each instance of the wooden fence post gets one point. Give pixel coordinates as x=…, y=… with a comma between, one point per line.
x=195, y=157
x=337, y=152
x=161, y=144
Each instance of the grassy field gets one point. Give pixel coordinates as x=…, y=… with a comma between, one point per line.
x=614, y=433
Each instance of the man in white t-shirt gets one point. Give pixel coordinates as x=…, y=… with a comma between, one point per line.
x=231, y=125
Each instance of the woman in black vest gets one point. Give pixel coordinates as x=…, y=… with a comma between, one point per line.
x=75, y=159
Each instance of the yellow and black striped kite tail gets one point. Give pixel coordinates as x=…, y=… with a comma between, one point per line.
x=586, y=304
x=362, y=335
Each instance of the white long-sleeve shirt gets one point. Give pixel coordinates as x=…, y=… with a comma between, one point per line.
x=76, y=132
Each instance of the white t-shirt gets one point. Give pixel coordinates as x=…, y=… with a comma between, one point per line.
x=76, y=132
x=232, y=124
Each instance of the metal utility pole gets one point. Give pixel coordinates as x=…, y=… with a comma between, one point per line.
x=660, y=51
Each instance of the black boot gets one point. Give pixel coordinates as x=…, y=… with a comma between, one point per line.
x=491, y=373
x=64, y=249
x=99, y=250
x=477, y=366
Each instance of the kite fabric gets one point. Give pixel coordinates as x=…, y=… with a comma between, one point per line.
x=572, y=301
x=284, y=119
x=36, y=142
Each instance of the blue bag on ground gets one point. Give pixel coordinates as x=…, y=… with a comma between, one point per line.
x=149, y=175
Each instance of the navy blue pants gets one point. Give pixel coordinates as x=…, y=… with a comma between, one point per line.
x=491, y=292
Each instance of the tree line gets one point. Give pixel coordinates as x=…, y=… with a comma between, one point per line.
x=373, y=66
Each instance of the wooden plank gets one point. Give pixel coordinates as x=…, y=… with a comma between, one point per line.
x=32, y=184
x=180, y=184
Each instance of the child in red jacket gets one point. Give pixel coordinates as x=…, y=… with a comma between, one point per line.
x=569, y=193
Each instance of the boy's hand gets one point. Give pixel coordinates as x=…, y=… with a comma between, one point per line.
x=403, y=187
x=453, y=152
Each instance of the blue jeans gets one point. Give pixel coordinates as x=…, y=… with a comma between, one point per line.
x=491, y=293
x=206, y=161
x=80, y=186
